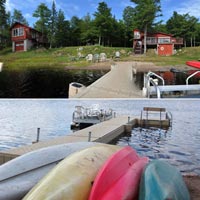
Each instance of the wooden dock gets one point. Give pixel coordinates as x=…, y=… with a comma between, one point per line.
x=104, y=132
x=119, y=82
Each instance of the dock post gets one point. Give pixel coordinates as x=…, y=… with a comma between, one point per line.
x=38, y=135
x=89, y=136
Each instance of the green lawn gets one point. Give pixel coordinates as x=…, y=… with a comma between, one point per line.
x=68, y=56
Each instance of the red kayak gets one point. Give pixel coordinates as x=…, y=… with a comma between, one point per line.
x=119, y=177
x=193, y=63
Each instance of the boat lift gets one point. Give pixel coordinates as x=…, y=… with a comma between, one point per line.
x=151, y=86
x=157, y=117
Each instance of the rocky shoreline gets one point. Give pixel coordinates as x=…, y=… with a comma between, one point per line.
x=139, y=66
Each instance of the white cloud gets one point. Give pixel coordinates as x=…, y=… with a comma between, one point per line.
x=126, y=3
x=181, y=7
x=190, y=7
x=28, y=16
x=69, y=9
x=9, y=6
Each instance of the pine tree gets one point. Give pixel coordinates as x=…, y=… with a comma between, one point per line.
x=89, y=33
x=52, y=25
x=3, y=25
x=182, y=26
x=18, y=17
x=103, y=22
x=146, y=11
x=43, y=13
x=128, y=19
x=62, y=35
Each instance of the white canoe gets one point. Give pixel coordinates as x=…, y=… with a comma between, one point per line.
x=19, y=175
x=72, y=178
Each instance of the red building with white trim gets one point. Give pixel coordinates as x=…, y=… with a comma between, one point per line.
x=24, y=37
x=164, y=44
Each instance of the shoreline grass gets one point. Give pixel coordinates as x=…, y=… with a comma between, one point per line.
x=68, y=56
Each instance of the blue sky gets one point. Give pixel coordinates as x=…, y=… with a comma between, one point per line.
x=80, y=8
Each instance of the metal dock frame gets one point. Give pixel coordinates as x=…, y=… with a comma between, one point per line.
x=159, y=89
x=145, y=122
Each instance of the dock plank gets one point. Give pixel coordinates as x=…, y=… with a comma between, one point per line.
x=100, y=132
x=118, y=83
x=104, y=132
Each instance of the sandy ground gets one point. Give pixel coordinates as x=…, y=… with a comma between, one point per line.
x=193, y=184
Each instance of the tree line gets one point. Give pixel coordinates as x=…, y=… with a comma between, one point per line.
x=102, y=27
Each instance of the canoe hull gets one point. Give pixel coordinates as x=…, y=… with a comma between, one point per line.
x=19, y=175
x=119, y=177
x=72, y=178
x=161, y=180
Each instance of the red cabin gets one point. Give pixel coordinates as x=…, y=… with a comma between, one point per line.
x=164, y=44
x=24, y=37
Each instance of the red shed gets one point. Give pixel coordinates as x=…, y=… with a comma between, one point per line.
x=163, y=43
x=24, y=37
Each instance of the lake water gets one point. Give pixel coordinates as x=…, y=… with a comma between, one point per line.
x=43, y=83
x=180, y=145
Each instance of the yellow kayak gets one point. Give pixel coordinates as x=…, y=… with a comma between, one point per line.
x=73, y=177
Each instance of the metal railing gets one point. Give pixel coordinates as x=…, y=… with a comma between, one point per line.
x=187, y=80
x=148, y=79
x=154, y=88
x=156, y=75
x=161, y=114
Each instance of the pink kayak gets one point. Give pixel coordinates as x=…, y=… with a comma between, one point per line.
x=119, y=177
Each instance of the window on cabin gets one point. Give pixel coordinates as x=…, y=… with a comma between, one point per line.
x=18, y=32
x=163, y=40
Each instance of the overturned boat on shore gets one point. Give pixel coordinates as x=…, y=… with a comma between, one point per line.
x=19, y=175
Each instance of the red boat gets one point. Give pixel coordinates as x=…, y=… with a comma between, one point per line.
x=119, y=177
x=193, y=63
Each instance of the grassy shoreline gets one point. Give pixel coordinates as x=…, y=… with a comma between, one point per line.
x=68, y=57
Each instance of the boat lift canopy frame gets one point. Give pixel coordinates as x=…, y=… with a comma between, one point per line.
x=159, y=89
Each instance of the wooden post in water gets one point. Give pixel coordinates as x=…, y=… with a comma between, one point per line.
x=89, y=136
x=38, y=135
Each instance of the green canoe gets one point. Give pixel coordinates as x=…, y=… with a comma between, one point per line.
x=162, y=181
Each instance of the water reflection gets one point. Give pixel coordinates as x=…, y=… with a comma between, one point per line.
x=162, y=144
x=43, y=83
x=178, y=77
